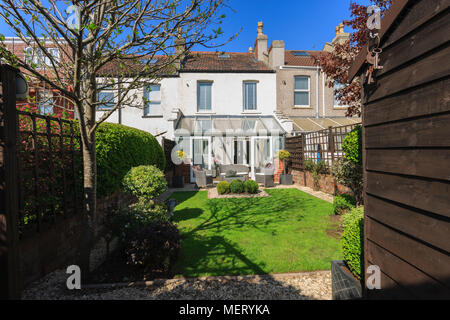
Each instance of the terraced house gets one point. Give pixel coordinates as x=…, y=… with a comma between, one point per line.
x=303, y=97
x=218, y=107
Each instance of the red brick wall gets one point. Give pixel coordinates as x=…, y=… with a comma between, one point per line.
x=327, y=182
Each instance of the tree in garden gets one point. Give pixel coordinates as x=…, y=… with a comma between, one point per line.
x=337, y=63
x=97, y=35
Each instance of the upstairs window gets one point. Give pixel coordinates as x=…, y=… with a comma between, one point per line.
x=152, y=100
x=337, y=102
x=250, y=95
x=45, y=102
x=37, y=56
x=301, y=91
x=204, y=95
x=106, y=100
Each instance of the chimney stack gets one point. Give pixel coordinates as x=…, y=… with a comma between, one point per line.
x=261, y=45
x=180, y=48
x=276, y=54
x=250, y=50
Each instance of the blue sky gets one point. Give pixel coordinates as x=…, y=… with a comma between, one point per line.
x=302, y=24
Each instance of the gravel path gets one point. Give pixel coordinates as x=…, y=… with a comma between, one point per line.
x=298, y=286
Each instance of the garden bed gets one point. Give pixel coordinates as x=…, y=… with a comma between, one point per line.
x=213, y=194
x=116, y=270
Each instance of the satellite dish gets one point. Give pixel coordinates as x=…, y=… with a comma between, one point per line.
x=21, y=87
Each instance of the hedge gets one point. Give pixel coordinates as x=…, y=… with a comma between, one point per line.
x=120, y=148
x=352, y=145
x=343, y=203
x=353, y=240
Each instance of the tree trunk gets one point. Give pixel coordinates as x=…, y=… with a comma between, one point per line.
x=89, y=203
x=87, y=124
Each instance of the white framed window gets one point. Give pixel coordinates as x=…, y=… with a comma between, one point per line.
x=152, y=100
x=302, y=91
x=250, y=94
x=106, y=100
x=338, y=104
x=37, y=56
x=204, y=96
x=45, y=102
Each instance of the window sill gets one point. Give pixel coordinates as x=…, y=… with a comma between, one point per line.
x=205, y=113
x=251, y=112
x=152, y=116
x=302, y=107
x=340, y=107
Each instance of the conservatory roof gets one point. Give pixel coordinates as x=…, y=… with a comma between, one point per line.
x=228, y=126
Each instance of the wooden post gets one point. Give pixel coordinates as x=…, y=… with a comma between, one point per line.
x=9, y=200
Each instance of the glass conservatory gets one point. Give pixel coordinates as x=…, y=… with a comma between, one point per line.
x=212, y=140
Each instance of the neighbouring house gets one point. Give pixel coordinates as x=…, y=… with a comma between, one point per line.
x=47, y=100
x=304, y=101
x=219, y=107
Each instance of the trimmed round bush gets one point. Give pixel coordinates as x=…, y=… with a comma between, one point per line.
x=353, y=240
x=223, y=187
x=120, y=148
x=155, y=247
x=352, y=145
x=237, y=186
x=251, y=186
x=145, y=182
x=343, y=203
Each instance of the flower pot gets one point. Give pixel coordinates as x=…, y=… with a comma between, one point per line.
x=286, y=179
x=177, y=182
x=344, y=285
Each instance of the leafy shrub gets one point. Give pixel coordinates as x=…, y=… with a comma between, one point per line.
x=283, y=155
x=353, y=240
x=154, y=247
x=223, y=187
x=120, y=148
x=145, y=182
x=237, y=186
x=309, y=165
x=343, y=203
x=316, y=169
x=349, y=174
x=352, y=145
x=126, y=222
x=251, y=186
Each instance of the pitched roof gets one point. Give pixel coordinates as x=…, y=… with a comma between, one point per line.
x=129, y=67
x=224, y=62
x=293, y=59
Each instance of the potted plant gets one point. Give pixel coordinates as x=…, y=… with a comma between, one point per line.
x=178, y=179
x=285, y=178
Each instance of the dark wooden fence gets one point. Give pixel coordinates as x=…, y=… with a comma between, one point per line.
x=324, y=145
x=40, y=191
x=406, y=117
x=50, y=171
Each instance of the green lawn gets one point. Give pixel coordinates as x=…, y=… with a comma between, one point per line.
x=287, y=232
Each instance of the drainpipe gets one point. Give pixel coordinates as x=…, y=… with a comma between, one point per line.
x=119, y=96
x=323, y=94
x=317, y=93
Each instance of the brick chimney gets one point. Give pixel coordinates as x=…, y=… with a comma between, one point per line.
x=261, y=45
x=276, y=54
x=180, y=47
